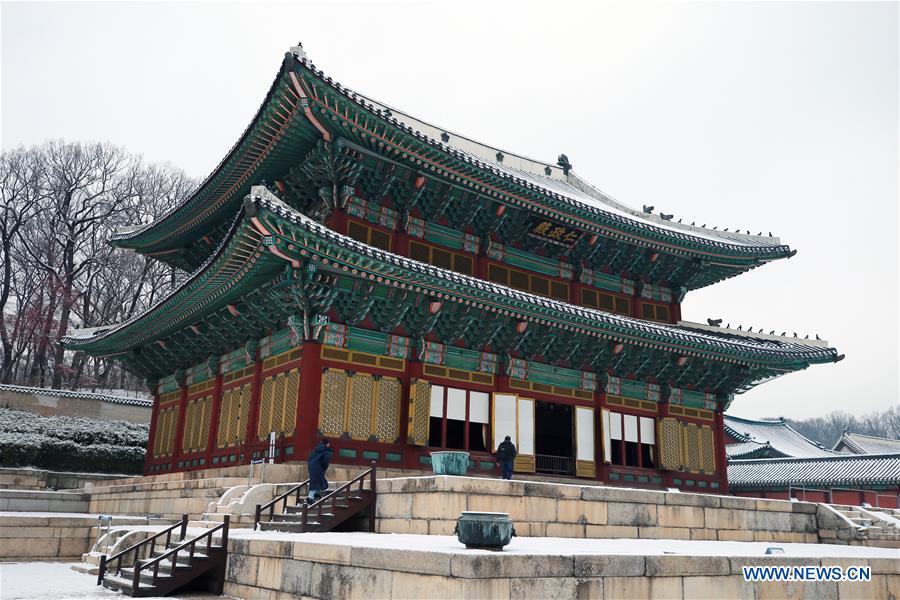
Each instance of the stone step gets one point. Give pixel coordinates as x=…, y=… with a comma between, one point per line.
x=298, y=518
x=288, y=527
x=120, y=584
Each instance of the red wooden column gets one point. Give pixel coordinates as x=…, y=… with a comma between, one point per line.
x=675, y=310
x=308, y=399
x=251, y=441
x=600, y=471
x=148, y=458
x=214, y=418
x=179, y=431
x=721, y=458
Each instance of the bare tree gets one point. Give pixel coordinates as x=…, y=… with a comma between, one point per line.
x=61, y=201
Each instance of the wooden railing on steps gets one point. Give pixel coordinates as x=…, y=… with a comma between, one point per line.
x=328, y=501
x=270, y=506
x=190, y=546
x=150, y=543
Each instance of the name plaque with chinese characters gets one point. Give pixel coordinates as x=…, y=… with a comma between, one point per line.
x=553, y=232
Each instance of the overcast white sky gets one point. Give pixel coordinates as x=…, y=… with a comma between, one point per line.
x=761, y=116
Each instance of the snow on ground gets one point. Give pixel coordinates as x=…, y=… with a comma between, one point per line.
x=57, y=581
x=571, y=546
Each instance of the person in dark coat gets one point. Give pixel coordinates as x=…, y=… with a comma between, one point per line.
x=506, y=454
x=318, y=463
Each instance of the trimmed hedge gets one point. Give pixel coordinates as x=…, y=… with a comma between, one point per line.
x=71, y=443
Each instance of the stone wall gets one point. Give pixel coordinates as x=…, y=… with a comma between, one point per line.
x=28, y=478
x=430, y=505
x=49, y=403
x=43, y=501
x=47, y=537
x=170, y=495
x=273, y=569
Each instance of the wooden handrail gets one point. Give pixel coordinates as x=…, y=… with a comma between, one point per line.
x=104, y=560
x=282, y=498
x=189, y=544
x=329, y=498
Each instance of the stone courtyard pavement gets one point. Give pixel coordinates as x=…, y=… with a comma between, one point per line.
x=57, y=581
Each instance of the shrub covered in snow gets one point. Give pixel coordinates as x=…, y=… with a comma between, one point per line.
x=71, y=443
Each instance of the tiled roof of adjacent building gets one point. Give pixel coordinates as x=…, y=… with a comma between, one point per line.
x=778, y=436
x=829, y=471
x=857, y=443
x=81, y=395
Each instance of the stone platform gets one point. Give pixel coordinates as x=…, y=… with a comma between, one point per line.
x=272, y=566
x=52, y=536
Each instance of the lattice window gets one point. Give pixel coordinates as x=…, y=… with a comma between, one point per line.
x=164, y=440
x=190, y=422
x=226, y=414
x=692, y=447
x=707, y=450
x=266, y=400
x=362, y=400
x=387, y=410
x=278, y=404
x=360, y=405
x=196, y=427
x=670, y=444
x=333, y=402
x=419, y=412
x=205, y=417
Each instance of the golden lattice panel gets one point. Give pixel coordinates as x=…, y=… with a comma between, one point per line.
x=707, y=450
x=238, y=427
x=387, y=417
x=205, y=418
x=266, y=402
x=332, y=402
x=419, y=408
x=291, y=395
x=226, y=412
x=362, y=396
x=670, y=444
x=692, y=447
x=190, y=421
x=277, y=424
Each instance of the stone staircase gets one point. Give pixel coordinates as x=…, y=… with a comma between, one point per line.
x=167, y=561
x=346, y=502
x=868, y=523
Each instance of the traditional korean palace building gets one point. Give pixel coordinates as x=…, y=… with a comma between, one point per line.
x=769, y=459
x=363, y=275
x=857, y=443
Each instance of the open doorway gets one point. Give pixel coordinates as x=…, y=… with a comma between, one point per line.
x=554, y=436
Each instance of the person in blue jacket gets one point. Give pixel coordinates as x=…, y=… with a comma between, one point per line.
x=318, y=463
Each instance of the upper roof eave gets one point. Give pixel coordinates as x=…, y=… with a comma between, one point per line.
x=146, y=239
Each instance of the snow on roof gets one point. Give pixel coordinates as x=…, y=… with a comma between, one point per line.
x=777, y=434
x=828, y=471
x=71, y=394
x=857, y=443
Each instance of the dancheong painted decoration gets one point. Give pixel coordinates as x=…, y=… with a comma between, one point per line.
x=363, y=275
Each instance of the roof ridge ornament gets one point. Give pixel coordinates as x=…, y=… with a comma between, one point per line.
x=298, y=51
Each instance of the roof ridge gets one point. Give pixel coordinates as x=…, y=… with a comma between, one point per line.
x=76, y=394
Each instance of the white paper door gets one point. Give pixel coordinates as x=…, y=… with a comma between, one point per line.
x=607, y=446
x=584, y=433
x=525, y=444
x=504, y=418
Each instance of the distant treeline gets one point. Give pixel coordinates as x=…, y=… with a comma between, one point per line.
x=828, y=429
